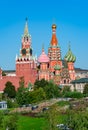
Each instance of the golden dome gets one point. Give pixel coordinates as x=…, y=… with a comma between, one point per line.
x=54, y=26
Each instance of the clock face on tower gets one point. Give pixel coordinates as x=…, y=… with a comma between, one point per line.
x=24, y=51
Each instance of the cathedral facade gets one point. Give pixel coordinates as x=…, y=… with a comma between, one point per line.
x=47, y=66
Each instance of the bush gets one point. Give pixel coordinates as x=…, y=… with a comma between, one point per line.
x=11, y=104
x=37, y=95
x=85, y=91
x=73, y=95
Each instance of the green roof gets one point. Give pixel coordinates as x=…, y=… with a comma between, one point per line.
x=82, y=80
x=57, y=67
x=69, y=57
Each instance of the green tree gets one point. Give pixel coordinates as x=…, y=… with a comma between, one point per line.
x=85, y=91
x=37, y=95
x=1, y=96
x=78, y=120
x=9, y=90
x=51, y=90
x=1, y=118
x=22, y=95
x=11, y=123
x=40, y=83
x=3, y=73
x=66, y=89
x=51, y=118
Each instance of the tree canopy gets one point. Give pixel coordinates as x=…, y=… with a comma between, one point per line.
x=9, y=90
x=85, y=91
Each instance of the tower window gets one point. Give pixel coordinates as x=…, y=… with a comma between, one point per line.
x=27, y=38
x=65, y=81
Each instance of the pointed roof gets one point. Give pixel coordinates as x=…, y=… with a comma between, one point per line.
x=43, y=58
x=26, y=33
x=54, y=41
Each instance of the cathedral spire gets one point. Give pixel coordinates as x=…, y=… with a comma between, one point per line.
x=54, y=41
x=26, y=33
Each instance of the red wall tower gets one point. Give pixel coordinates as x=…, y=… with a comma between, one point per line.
x=26, y=63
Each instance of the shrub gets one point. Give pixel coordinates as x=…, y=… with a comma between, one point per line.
x=73, y=94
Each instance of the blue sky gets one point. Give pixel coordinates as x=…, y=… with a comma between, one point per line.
x=70, y=16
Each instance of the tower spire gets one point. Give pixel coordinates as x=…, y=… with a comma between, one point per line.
x=26, y=33
x=54, y=41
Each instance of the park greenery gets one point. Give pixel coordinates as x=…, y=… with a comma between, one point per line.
x=73, y=114
x=42, y=90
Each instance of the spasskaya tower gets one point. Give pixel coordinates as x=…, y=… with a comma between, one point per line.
x=26, y=63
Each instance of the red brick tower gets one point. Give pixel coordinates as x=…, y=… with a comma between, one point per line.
x=54, y=51
x=26, y=63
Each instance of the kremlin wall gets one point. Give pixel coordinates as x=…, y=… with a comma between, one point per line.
x=49, y=66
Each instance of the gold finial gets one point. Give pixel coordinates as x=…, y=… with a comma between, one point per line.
x=54, y=26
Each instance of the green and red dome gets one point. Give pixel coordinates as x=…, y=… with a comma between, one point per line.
x=69, y=57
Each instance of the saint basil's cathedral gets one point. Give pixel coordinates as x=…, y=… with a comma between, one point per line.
x=47, y=66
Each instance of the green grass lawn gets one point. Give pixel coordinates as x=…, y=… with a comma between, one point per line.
x=31, y=123
x=35, y=123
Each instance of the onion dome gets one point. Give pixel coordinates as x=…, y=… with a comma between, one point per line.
x=57, y=67
x=43, y=58
x=54, y=40
x=69, y=57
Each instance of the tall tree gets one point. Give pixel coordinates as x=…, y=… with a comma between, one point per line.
x=22, y=95
x=9, y=90
x=51, y=90
x=85, y=91
x=37, y=95
x=51, y=117
x=40, y=83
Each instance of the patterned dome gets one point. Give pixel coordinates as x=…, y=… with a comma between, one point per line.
x=43, y=58
x=57, y=67
x=69, y=57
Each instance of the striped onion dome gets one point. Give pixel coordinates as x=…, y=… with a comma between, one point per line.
x=69, y=57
